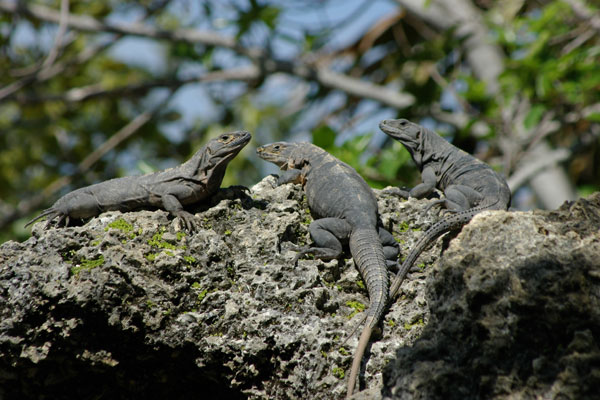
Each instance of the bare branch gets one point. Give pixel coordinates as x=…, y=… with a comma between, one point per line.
x=78, y=94
x=89, y=24
x=62, y=29
x=486, y=59
x=581, y=11
x=324, y=76
x=37, y=74
x=528, y=170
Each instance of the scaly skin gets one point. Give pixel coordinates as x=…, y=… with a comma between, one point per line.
x=348, y=210
x=470, y=186
x=195, y=180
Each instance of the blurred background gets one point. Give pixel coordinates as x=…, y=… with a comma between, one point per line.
x=95, y=89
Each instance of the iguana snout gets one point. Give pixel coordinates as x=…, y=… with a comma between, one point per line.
x=278, y=153
x=228, y=144
x=401, y=129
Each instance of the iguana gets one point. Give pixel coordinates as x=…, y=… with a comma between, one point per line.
x=348, y=212
x=469, y=185
x=171, y=189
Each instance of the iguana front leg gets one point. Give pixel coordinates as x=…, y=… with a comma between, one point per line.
x=172, y=204
x=423, y=189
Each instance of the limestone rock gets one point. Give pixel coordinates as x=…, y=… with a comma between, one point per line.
x=515, y=311
x=129, y=306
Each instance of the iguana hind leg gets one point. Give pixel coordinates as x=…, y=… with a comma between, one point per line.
x=390, y=248
x=461, y=197
x=328, y=235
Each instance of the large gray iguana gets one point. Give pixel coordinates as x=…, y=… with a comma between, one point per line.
x=348, y=212
x=195, y=180
x=469, y=185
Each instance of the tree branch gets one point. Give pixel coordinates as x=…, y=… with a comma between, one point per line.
x=58, y=42
x=95, y=91
x=530, y=169
x=582, y=12
x=260, y=58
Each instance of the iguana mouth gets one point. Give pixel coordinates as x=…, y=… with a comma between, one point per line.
x=266, y=154
x=230, y=149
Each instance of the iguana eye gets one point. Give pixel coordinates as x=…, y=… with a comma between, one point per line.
x=276, y=147
x=225, y=138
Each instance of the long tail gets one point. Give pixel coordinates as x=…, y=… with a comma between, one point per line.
x=444, y=225
x=53, y=212
x=363, y=341
x=368, y=255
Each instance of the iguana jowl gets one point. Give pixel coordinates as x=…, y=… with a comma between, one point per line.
x=348, y=211
x=469, y=185
x=171, y=189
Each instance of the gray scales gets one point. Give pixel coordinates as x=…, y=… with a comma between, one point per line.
x=347, y=212
x=193, y=181
x=469, y=185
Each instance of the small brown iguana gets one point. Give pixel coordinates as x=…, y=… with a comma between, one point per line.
x=348, y=212
x=195, y=180
x=469, y=185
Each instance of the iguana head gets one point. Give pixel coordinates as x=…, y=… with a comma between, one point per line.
x=226, y=146
x=406, y=132
x=402, y=130
x=279, y=153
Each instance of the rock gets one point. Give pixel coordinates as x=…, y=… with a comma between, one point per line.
x=515, y=311
x=129, y=306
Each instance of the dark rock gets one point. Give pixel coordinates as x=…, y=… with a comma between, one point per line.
x=126, y=306
x=515, y=311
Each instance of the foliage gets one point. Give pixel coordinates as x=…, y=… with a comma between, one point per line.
x=61, y=101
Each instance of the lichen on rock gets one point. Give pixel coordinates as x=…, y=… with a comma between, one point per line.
x=222, y=312
x=130, y=306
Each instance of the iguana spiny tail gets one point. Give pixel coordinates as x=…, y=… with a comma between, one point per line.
x=469, y=185
x=348, y=211
x=195, y=180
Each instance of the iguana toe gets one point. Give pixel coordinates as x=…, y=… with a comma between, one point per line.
x=189, y=220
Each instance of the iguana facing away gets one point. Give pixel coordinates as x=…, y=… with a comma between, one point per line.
x=171, y=189
x=469, y=185
x=348, y=212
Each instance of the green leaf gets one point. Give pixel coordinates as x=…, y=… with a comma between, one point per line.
x=324, y=137
x=593, y=117
x=534, y=116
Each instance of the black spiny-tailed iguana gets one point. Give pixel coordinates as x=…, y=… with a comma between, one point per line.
x=469, y=185
x=348, y=212
x=195, y=180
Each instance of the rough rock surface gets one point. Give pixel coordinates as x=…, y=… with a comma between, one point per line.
x=515, y=311
x=126, y=306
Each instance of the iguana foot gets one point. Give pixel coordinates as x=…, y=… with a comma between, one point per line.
x=395, y=191
x=188, y=219
x=392, y=266
x=321, y=253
